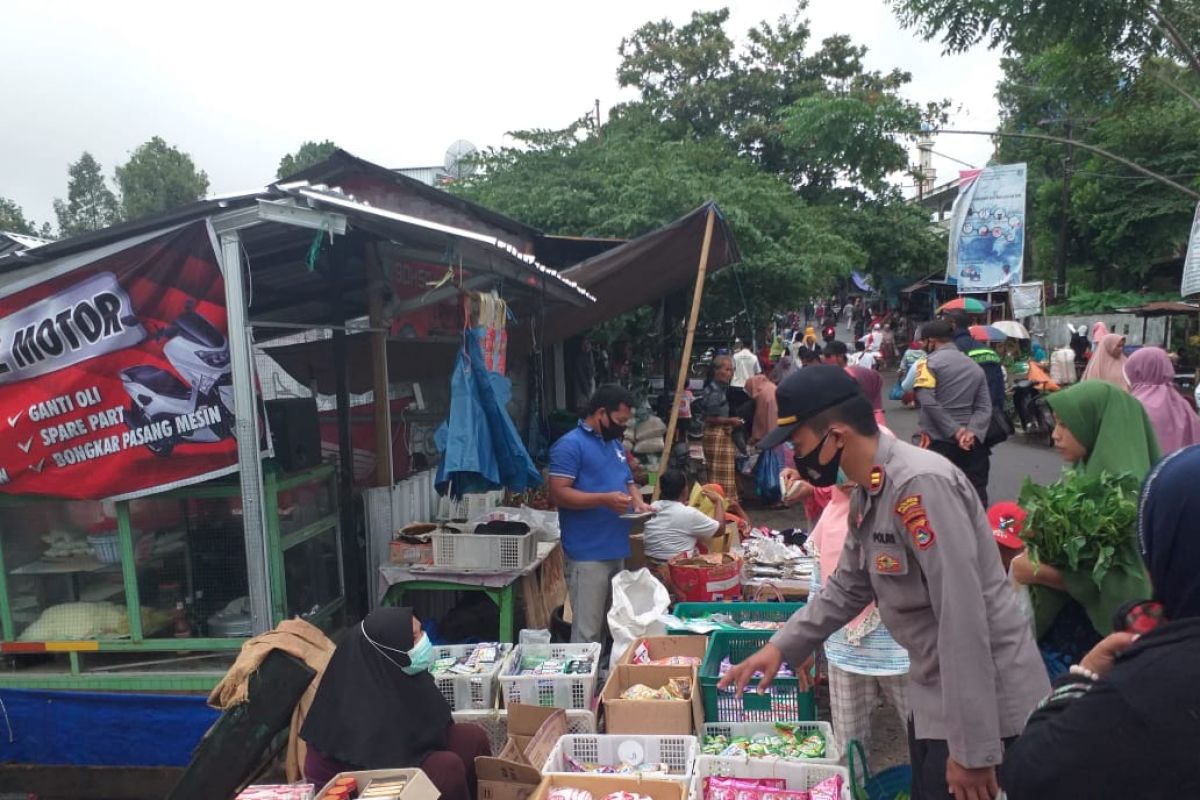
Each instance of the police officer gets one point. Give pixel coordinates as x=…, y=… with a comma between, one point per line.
x=920, y=546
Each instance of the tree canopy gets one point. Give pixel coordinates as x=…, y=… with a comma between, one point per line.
x=158, y=177
x=795, y=147
x=12, y=220
x=90, y=204
x=309, y=153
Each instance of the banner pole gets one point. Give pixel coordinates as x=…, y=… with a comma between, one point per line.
x=686, y=358
x=245, y=406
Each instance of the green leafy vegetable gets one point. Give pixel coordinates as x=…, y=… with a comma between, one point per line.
x=1080, y=522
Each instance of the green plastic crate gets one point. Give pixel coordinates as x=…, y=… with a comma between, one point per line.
x=784, y=702
x=739, y=610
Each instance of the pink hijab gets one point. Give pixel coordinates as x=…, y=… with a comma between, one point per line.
x=1108, y=362
x=1152, y=376
x=1099, y=331
x=766, y=410
x=871, y=383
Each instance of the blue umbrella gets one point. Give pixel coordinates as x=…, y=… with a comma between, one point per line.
x=479, y=442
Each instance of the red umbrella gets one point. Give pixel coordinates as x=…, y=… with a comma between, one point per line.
x=987, y=333
x=967, y=304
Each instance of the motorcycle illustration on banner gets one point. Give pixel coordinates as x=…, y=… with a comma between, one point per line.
x=115, y=374
x=201, y=404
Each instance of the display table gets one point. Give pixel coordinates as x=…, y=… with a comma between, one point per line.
x=538, y=581
x=796, y=589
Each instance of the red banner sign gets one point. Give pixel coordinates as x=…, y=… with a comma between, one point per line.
x=115, y=376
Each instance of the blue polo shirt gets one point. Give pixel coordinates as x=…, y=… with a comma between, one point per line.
x=594, y=465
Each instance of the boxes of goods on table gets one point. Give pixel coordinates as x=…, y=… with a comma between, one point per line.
x=652, y=700
x=380, y=784
x=516, y=771
x=746, y=616
x=783, y=701
x=658, y=756
x=608, y=787
x=468, y=675
x=716, y=778
x=523, y=723
x=556, y=675
x=667, y=651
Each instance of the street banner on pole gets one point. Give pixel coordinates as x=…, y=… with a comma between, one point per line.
x=1026, y=299
x=987, y=229
x=1191, y=262
x=114, y=376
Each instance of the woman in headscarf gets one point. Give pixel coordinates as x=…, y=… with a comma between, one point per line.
x=378, y=708
x=1099, y=331
x=871, y=383
x=1152, y=381
x=1126, y=721
x=810, y=339
x=719, y=449
x=1099, y=429
x=1108, y=362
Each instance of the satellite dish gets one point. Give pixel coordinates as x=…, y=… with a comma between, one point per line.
x=457, y=163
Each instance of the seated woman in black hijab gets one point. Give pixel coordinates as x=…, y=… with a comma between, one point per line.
x=1125, y=722
x=378, y=708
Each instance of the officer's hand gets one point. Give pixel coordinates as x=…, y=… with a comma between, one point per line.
x=617, y=501
x=966, y=439
x=1101, y=657
x=971, y=784
x=794, y=487
x=767, y=660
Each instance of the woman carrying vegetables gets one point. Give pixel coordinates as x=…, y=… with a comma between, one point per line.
x=1085, y=524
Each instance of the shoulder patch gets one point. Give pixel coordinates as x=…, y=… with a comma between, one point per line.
x=908, y=504
x=920, y=531
x=925, y=376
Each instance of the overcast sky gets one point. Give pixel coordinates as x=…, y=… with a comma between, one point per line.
x=237, y=85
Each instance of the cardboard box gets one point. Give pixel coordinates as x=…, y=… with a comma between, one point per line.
x=600, y=786
x=533, y=732
x=668, y=646
x=681, y=717
x=419, y=786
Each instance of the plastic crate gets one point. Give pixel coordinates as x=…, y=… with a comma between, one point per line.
x=739, y=611
x=800, y=777
x=481, y=551
x=495, y=724
x=677, y=752
x=803, y=728
x=783, y=703
x=557, y=691
x=469, y=691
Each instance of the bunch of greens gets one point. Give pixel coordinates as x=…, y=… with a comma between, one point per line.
x=1080, y=521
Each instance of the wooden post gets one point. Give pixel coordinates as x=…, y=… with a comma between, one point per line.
x=376, y=286
x=686, y=358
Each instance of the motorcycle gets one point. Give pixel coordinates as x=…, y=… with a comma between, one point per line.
x=200, y=353
x=1033, y=410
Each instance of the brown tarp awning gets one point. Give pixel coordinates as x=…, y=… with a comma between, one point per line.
x=643, y=271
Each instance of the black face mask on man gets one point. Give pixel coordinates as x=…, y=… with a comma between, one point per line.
x=610, y=430
x=812, y=470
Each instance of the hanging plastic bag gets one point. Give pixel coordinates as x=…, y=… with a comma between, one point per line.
x=766, y=477
x=638, y=600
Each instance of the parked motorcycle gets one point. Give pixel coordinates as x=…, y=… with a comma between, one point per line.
x=1033, y=411
x=200, y=353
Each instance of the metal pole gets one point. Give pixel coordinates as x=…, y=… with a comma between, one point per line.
x=686, y=358
x=245, y=403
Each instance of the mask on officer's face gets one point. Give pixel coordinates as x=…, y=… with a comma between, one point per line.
x=812, y=470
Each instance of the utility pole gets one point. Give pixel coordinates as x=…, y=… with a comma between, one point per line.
x=1064, y=222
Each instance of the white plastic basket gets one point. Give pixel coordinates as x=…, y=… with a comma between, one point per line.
x=495, y=724
x=469, y=691
x=481, y=551
x=676, y=752
x=558, y=691
x=107, y=548
x=799, y=776
x=806, y=728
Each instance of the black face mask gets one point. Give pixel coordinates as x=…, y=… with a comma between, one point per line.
x=813, y=471
x=610, y=431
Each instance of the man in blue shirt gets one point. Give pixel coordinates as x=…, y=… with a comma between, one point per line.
x=592, y=485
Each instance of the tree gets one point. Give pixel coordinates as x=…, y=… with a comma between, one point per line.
x=12, y=220
x=309, y=153
x=90, y=204
x=636, y=178
x=158, y=177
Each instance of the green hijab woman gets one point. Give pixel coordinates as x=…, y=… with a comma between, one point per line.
x=1106, y=430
